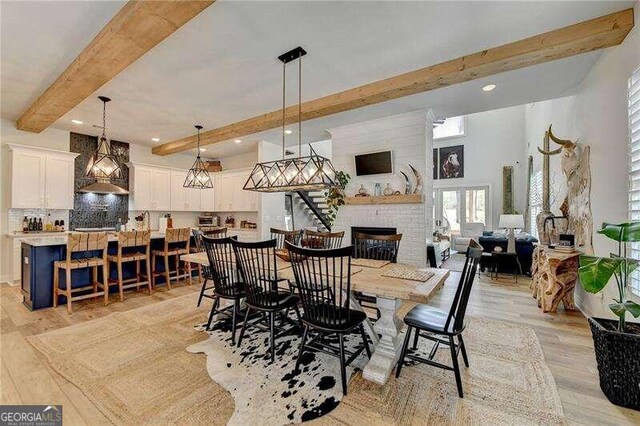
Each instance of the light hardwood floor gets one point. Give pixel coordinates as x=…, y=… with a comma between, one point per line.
x=25, y=378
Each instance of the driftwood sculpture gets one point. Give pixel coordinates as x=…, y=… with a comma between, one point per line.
x=577, y=204
x=553, y=278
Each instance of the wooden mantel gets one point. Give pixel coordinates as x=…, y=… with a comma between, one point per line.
x=385, y=199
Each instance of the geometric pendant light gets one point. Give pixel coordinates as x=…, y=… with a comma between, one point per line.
x=198, y=176
x=104, y=165
x=310, y=173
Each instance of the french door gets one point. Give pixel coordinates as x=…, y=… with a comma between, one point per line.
x=462, y=205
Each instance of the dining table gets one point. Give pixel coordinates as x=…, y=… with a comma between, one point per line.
x=390, y=293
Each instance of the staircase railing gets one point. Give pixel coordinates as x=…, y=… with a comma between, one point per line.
x=304, y=196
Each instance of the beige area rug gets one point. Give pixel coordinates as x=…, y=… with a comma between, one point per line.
x=135, y=368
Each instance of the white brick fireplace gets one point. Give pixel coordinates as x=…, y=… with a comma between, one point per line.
x=410, y=137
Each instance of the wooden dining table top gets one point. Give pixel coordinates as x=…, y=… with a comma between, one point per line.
x=368, y=280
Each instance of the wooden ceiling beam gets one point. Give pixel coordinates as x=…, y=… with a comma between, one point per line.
x=587, y=36
x=133, y=31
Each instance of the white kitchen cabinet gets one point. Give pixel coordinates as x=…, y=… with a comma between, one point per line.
x=230, y=197
x=141, y=187
x=208, y=199
x=178, y=193
x=59, y=179
x=161, y=193
x=41, y=178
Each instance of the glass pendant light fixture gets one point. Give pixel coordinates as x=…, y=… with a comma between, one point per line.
x=198, y=176
x=104, y=165
x=310, y=173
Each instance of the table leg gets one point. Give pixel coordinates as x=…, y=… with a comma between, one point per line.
x=387, y=350
x=368, y=325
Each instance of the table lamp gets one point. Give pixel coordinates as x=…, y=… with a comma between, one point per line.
x=511, y=221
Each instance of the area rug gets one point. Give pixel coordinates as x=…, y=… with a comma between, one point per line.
x=135, y=368
x=274, y=392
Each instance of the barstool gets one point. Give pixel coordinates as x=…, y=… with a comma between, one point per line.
x=176, y=243
x=76, y=243
x=137, y=245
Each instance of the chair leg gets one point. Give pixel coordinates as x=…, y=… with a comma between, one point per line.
x=272, y=320
x=166, y=271
x=214, y=308
x=152, y=275
x=244, y=326
x=456, y=368
x=464, y=352
x=120, y=284
x=105, y=283
x=415, y=339
x=343, y=368
x=365, y=341
x=149, y=276
x=94, y=271
x=56, y=285
x=189, y=273
x=68, y=289
x=302, y=342
x=204, y=284
x=138, y=274
x=403, y=353
x=233, y=321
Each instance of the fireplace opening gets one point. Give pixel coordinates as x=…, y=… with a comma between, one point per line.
x=371, y=230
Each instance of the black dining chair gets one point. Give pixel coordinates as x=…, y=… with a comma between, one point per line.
x=282, y=235
x=257, y=262
x=321, y=240
x=227, y=282
x=323, y=280
x=204, y=270
x=443, y=327
x=378, y=247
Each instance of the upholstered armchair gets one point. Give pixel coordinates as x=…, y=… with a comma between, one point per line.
x=468, y=231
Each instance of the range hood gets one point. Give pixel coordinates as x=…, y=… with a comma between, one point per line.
x=104, y=187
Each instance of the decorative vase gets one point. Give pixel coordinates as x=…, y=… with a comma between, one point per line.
x=387, y=190
x=377, y=190
x=362, y=191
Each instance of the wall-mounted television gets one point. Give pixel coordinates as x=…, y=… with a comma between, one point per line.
x=375, y=163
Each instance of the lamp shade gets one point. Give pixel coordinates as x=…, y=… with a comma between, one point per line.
x=511, y=221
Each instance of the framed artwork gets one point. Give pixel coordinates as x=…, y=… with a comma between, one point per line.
x=451, y=162
x=507, y=190
x=435, y=163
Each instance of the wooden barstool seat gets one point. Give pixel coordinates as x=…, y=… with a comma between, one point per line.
x=176, y=243
x=139, y=243
x=82, y=243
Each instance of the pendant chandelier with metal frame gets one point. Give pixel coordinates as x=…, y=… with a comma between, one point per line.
x=310, y=173
x=198, y=176
x=104, y=165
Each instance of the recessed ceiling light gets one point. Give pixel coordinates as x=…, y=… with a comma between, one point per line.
x=155, y=139
x=203, y=149
x=238, y=140
x=489, y=87
x=76, y=121
x=288, y=132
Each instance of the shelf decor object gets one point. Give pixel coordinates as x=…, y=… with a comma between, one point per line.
x=103, y=166
x=198, y=176
x=310, y=173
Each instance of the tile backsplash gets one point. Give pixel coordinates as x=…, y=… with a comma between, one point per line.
x=15, y=216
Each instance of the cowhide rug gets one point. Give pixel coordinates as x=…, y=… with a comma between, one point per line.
x=274, y=393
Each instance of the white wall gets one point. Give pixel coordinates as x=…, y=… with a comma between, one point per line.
x=272, y=211
x=409, y=136
x=240, y=161
x=597, y=116
x=492, y=139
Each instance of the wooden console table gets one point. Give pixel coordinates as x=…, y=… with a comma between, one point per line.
x=553, y=278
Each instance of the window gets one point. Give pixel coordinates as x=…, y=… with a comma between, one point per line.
x=535, y=201
x=451, y=127
x=634, y=166
x=462, y=205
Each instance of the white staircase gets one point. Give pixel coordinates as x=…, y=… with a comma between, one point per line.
x=319, y=198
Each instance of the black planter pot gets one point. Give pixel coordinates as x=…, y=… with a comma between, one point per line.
x=618, y=358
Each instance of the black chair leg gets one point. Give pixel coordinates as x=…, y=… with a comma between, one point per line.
x=343, y=368
x=244, y=326
x=464, y=352
x=272, y=318
x=304, y=338
x=297, y=310
x=204, y=285
x=365, y=341
x=233, y=322
x=415, y=339
x=403, y=353
x=214, y=308
x=456, y=368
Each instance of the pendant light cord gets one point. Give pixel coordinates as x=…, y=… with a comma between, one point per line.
x=284, y=85
x=104, y=120
x=300, y=106
x=198, y=142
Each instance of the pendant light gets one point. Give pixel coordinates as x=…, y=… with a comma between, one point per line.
x=198, y=176
x=310, y=173
x=104, y=165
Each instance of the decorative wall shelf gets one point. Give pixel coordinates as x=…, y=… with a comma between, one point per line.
x=389, y=199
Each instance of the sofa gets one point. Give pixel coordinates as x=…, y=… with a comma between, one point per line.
x=524, y=250
x=468, y=231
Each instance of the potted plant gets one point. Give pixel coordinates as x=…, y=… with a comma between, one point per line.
x=617, y=343
x=335, y=195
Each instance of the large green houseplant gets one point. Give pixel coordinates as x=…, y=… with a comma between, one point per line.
x=335, y=195
x=617, y=343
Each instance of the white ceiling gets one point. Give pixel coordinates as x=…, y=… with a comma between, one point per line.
x=221, y=67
